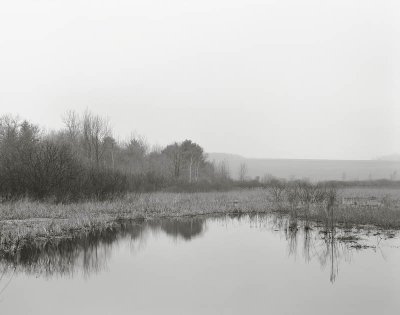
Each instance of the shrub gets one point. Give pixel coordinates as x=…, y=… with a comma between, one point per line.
x=50, y=171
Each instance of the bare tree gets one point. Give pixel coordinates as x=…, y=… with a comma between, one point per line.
x=242, y=172
x=223, y=171
x=110, y=146
x=331, y=201
x=174, y=153
x=307, y=193
x=193, y=156
x=73, y=125
x=95, y=129
x=292, y=193
x=134, y=152
x=276, y=189
x=8, y=128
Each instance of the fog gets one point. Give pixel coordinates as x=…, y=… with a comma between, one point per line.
x=273, y=79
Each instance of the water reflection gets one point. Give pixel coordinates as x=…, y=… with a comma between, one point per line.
x=5, y=278
x=322, y=245
x=89, y=253
x=326, y=245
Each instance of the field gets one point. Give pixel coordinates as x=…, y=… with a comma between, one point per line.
x=314, y=170
x=392, y=193
x=25, y=219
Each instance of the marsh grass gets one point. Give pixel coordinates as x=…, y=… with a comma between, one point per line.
x=25, y=219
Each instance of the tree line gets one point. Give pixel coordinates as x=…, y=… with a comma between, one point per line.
x=83, y=160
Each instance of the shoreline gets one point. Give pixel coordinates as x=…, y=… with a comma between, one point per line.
x=26, y=220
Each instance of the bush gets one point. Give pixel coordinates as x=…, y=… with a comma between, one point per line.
x=101, y=184
x=50, y=171
x=147, y=182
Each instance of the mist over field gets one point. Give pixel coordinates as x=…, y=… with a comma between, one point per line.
x=199, y=157
x=312, y=169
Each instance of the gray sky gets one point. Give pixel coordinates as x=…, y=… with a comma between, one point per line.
x=284, y=78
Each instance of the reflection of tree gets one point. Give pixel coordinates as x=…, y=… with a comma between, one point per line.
x=88, y=252
x=3, y=277
x=291, y=234
x=307, y=245
x=319, y=244
x=332, y=254
x=322, y=245
x=186, y=229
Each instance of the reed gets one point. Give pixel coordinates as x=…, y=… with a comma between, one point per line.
x=30, y=219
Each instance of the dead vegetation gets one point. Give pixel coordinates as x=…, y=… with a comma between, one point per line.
x=300, y=200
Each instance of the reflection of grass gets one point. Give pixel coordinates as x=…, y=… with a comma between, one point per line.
x=348, y=238
x=317, y=243
x=88, y=253
x=22, y=219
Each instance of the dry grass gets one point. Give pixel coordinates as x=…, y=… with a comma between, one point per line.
x=148, y=204
x=26, y=219
x=379, y=192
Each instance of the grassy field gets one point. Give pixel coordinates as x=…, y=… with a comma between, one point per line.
x=392, y=193
x=25, y=219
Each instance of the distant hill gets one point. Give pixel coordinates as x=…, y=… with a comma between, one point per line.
x=391, y=157
x=314, y=170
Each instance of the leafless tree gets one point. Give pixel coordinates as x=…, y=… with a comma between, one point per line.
x=133, y=154
x=174, y=152
x=276, y=189
x=292, y=193
x=193, y=157
x=72, y=123
x=307, y=192
x=95, y=129
x=242, y=172
x=223, y=171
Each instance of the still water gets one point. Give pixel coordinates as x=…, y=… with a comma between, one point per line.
x=215, y=265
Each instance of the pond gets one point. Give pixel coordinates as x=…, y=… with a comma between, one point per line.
x=249, y=264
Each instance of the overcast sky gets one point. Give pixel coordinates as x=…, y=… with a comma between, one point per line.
x=279, y=79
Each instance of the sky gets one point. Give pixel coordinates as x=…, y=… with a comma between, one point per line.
x=260, y=78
